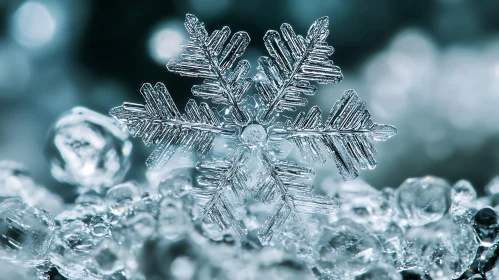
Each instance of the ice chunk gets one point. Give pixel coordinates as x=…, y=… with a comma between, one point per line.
x=25, y=232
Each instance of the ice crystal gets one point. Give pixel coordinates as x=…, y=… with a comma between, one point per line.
x=256, y=131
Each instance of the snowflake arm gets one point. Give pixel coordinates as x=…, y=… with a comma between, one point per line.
x=347, y=135
x=224, y=180
x=160, y=123
x=287, y=74
x=206, y=57
x=280, y=181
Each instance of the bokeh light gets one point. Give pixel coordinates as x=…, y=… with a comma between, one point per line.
x=34, y=25
x=165, y=41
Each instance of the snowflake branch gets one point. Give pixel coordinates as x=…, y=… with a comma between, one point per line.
x=346, y=134
x=203, y=57
x=300, y=62
x=159, y=123
x=281, y=183
x=224, y=180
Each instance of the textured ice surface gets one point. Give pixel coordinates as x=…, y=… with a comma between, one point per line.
x=158, y=236
x=88, y=149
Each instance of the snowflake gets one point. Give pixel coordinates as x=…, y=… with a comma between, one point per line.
x=282, y=81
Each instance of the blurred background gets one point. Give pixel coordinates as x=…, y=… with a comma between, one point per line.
x=429, y=67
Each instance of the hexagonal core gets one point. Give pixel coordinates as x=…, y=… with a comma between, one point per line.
x=254, y=135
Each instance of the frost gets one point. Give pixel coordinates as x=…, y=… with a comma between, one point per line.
x=256, y=132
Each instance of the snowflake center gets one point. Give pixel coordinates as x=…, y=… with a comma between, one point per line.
x=254, y=135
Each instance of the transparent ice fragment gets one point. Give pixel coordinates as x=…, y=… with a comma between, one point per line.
x=26, y=233
x=441, y=248
x=364, y=208
x=92, y=200
x=489, y=263
x=71, y=249
x=88, y=149
x=182, y=268
x=486, y=226
x=347, y=248
x=77, y=213
x=121, y=198
x=415, y=274
x=139, y=228
x=488, y=258
x=462, y=215
x=423, y=200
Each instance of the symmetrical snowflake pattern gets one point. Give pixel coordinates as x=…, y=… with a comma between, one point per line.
x=283, y=80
